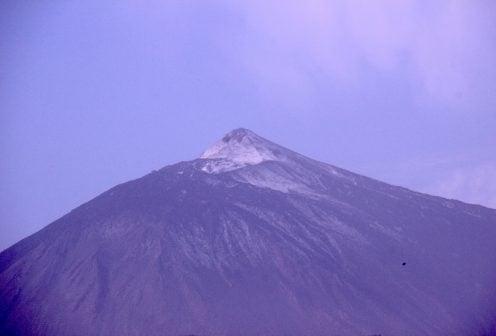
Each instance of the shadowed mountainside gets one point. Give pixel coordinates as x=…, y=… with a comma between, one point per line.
x=254, y=239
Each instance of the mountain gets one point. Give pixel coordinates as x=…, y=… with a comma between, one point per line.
x=255, y=239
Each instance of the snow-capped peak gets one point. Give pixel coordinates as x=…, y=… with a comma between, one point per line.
x=239, y=148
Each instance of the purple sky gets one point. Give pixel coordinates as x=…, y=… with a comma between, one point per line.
x=94, y=93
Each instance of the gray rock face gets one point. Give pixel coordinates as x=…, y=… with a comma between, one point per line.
x=254, y=239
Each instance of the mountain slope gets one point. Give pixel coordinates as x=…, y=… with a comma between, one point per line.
x=254, y=239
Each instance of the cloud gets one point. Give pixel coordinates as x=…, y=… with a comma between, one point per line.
x=445, y=49
x=467, y=177
x=473, y=184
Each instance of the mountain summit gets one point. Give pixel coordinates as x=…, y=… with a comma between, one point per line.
x=255, y=239
x=240, y=148
x=243, y=146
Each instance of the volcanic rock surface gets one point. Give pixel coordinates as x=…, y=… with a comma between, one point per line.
x=254, y=239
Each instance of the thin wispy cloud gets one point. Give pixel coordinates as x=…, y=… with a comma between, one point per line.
x=443, y=48
x=472, y=183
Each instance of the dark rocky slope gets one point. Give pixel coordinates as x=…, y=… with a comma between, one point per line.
x=253, y=239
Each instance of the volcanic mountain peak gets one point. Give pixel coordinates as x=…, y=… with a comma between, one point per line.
x=279, y=244
x=240, y=148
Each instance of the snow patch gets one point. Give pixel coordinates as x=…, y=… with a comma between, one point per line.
x=237, y=149
x=221, y=165
x=243, y=152
x=275, y=179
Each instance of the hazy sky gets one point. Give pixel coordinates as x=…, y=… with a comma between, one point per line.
x=94, y=93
